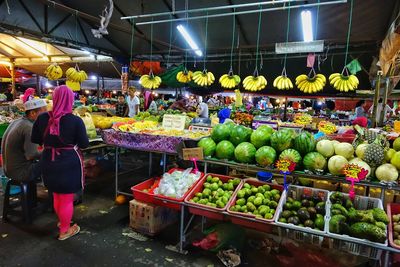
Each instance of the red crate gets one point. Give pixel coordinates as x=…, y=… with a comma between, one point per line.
x=160, y=200
x=204, y=210
x=348, y=138
x=252, y=223
x=392, y=209
x=255, y=183
x=138, y=194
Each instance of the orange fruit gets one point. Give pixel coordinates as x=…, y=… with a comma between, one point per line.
x=121, y=199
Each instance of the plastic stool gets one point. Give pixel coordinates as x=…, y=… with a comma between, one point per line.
x=14, y=189
x=27, y=199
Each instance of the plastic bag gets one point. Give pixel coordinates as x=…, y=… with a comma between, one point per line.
x=222, y=236
x=176, y=184
x=88, y=121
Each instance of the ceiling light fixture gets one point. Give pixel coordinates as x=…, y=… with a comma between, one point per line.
x=189, y=40
x=306, y=22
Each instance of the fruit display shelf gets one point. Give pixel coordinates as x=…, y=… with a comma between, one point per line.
x=297, y=174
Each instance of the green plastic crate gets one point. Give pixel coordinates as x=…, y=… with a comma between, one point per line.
x=3, y=128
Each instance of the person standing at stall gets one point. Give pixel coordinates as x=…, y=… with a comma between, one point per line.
x=63, y=135
x=133, y=102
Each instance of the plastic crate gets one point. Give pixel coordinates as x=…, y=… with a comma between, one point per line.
x=392, y=209
x=257, y=183
x=157, y=199
x=204, y=210
x=297, y=233
x=360, y=203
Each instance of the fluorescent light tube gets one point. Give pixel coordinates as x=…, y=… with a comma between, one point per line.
x=189, y=40
x=306, y=21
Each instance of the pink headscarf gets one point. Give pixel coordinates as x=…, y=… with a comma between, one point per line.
x=63, y=100
x=28, y=95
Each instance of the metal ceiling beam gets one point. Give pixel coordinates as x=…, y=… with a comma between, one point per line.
x=94, y=19
x=55, y=27
x=253, y=11
x=239, y=25
x=31, y=15
x=130, y=23
x=83, y=32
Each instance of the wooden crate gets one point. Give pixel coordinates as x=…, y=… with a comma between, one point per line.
x=150, y=219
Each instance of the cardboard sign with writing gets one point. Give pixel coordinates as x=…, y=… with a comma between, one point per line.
x=193, y=153
x=174, y=122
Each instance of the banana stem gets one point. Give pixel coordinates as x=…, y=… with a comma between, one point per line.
x=345, y=70
x=284, y=72
x=312, y=71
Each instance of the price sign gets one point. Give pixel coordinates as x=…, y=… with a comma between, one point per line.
x=174, y=122
x=193, y=153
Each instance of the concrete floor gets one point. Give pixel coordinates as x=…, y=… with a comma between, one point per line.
x=102, y=241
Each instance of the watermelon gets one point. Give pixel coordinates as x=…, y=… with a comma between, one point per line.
x=240, y=134
x=304, y=143
x=265, y=156
x=282, y=139
x=245, y=152
x=221, y=132
x=291, y=154
x=208, y=146
x=225, y=150
x=314, y=161
x=261, y=136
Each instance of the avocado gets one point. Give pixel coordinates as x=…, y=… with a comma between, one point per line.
x=336, y=224
x=286, y=214
x=309, y=223
x=303, y=215
x=305, y=203
x=296, y=205
x=312, y=203
x=336, y=212
x=294, y=220
x=313, y=212
x=316, y=199
x=289, y=199
x=319, y=223
x=341, y=208
x=287, y=206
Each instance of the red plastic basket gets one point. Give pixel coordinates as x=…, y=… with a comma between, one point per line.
x=348, y=138
x=252, y=223
x=160, y=200
x=204, y=210
x=255, y=183
x=392, y=209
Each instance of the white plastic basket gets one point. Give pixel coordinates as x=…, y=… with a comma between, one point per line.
x=360, y=203
x=297, y=233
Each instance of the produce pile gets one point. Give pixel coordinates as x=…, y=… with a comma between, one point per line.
x=102, y=122
x=7, y=117
x=307, y=211
x=216, y=193
x=396, y=229
x=347, y=219
x=177, y=183
x=264, y=146
x=260, y=201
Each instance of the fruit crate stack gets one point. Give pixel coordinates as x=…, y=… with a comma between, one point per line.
x=360, y=220
x=302, y=208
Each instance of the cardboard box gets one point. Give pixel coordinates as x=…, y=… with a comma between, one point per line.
x=150, y=219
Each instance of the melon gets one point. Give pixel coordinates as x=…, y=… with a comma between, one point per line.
x=245, y=152
x=265, y=156
x=387, y=172
x=261, y=136
x=208, y=146
x=221, y=132
x=224, y=150
x=282, y=139
x=304, y=143
x=240, y=134
x=336, y=164
x=291, y=154
x=396, y=144
x=344, y=149
x=314, y=161
x=360, y=150
x=326, y=148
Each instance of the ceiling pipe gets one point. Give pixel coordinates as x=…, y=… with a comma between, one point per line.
x=209, y=9
x=243, y=12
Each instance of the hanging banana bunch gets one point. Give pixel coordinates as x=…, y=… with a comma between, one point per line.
x=53, y=72
x=74, y=78
x=283, y=82
x=184, y=76
x=254, y=82
x=229, y=81
x=203, y=78
x=150, y=81
x=344, y=82
x=311, y=83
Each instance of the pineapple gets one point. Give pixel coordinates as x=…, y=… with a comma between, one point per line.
x=375, y=153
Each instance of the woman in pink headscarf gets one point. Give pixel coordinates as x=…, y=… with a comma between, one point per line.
x=62, y=134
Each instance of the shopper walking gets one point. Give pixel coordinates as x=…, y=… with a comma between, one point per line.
x=62, y=134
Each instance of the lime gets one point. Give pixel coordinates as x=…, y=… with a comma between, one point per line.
x=251, y=199
x=261, y=190
x=236, y=181
x=260, y=195
x=267, y=187
x=258, y=201
x=250, y=206
x=277, y=197
x=220, y=204
x=241, y=193
x=243, y=208
x=248, y=192
x=267, y=195
x=206, y=185
x=275, y=191
x=209, y=179
x=273, y=204
x=215, y=180
x=296, y=205
x=214, y=186
x=195, y=199
x=230, y=186
x=224, y=200
x=237, y=207
x=241, y=202
x=203, y=201
x=272, y=211
x=246, y=185
x=206, y=192
x=266, y=201
x=199, y=195
x=268, y=216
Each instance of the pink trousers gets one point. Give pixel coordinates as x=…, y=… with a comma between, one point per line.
x=64, y=208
